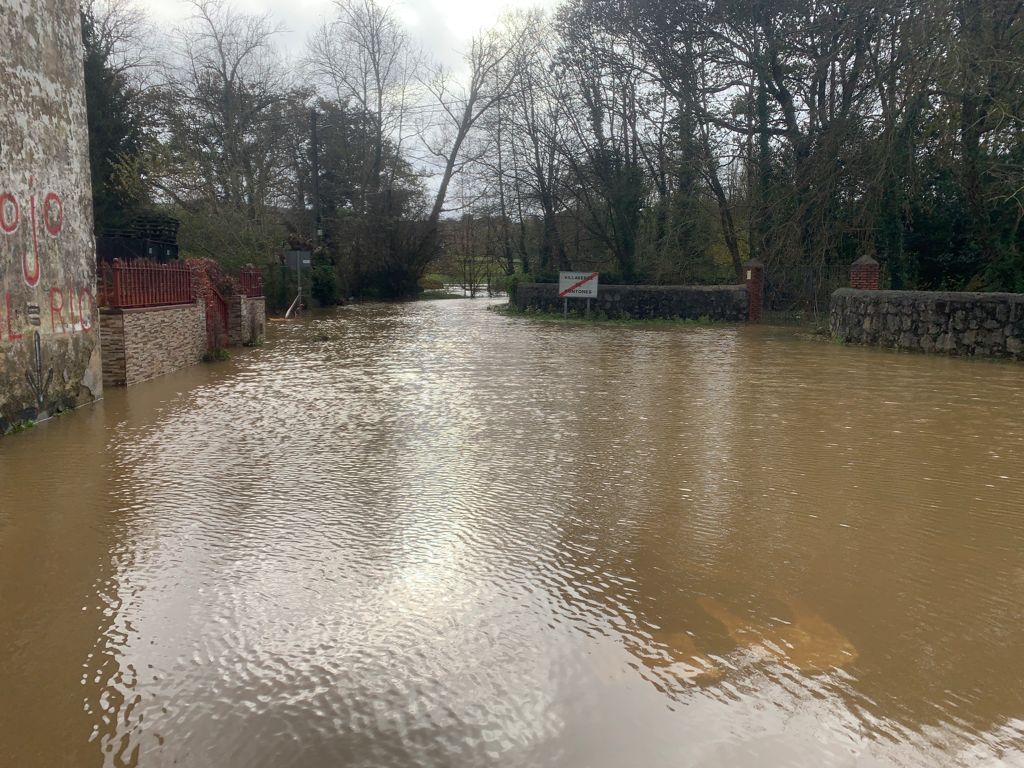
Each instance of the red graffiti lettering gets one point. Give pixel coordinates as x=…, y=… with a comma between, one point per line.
x=10, y=319
x=52, y=213
x=52, y=203
x=57, y=310
x=71, y=308
x=10, y=213
x=31, y=277
x=87, y=307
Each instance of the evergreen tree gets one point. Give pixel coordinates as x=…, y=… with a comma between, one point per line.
x=117, y=116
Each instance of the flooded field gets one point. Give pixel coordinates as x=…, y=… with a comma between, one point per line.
x=432, y=535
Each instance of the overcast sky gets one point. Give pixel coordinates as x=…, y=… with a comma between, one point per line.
x=443, y=27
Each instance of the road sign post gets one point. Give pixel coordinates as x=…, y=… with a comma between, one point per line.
x=298, y=260
x=577, y=285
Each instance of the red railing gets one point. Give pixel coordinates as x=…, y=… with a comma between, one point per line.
x=251, y=281
x=130, y=285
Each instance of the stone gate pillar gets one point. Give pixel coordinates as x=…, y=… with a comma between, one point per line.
x=753, y=273
x=865, y=274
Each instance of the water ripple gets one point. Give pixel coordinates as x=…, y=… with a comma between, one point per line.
x=433, y=535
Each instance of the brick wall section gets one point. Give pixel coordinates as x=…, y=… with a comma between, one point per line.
x=753, y=272
x=247, y=319
x=688, y=302
x=865, y=274
x=985, y=324
x=153, y=342
x=112, y=346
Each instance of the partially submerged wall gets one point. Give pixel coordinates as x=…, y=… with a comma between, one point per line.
x=141, y=344
x=989, y=324
x=49, y=339
x=688, y=302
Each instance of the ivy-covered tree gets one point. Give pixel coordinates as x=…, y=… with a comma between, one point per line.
x=117, y=108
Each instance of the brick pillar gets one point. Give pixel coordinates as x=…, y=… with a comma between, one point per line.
x=865, y=274
x=753, y=272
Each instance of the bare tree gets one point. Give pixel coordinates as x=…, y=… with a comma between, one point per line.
x=364, y=57
x=461, y=105
x=222, y=106
x=119, y=32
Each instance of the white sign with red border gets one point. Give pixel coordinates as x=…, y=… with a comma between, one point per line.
x=577, y=285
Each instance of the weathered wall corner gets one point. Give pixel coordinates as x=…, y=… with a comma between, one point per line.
x=49, y=326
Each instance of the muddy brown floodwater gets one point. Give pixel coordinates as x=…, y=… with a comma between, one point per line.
x=432, y=535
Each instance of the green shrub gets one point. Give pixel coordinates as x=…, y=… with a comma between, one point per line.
x=217, y=355
x=324, y=285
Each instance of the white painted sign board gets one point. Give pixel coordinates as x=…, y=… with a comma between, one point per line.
x=577, y=285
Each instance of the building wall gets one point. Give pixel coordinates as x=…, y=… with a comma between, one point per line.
x=689, y=302
x=988, y=324
x=141, y=344
x=49, y=336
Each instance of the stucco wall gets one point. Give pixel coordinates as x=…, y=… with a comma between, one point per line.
x=688, y=302
x=247, y=320
x=141, y=344
x=49, y=339
x=989, y=324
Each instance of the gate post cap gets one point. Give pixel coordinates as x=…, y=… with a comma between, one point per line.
x=865, y=261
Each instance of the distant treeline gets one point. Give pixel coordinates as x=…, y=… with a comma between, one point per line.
x=656, y=140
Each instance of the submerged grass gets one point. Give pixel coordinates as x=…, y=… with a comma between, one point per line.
x=600, y=317
x=216, y=355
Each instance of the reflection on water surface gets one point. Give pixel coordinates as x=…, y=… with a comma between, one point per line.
x=431, y=535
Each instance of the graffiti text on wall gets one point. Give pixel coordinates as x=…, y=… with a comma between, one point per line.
x=71, y=308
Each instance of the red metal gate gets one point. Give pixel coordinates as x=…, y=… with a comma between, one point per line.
x=216, y=320
x=207, y=276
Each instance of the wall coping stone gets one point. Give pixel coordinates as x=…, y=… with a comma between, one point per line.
x=969, y=296
x=141, y=310
x=865, y=261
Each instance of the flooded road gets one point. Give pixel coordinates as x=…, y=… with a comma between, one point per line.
x=432, y=535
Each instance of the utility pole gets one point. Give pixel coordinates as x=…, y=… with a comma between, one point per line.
x=314, y=162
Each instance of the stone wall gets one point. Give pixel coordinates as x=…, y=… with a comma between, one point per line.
x=989, y=324
x=49, y=340
x=247, y=320
x=141, y=344
x=688, y=302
